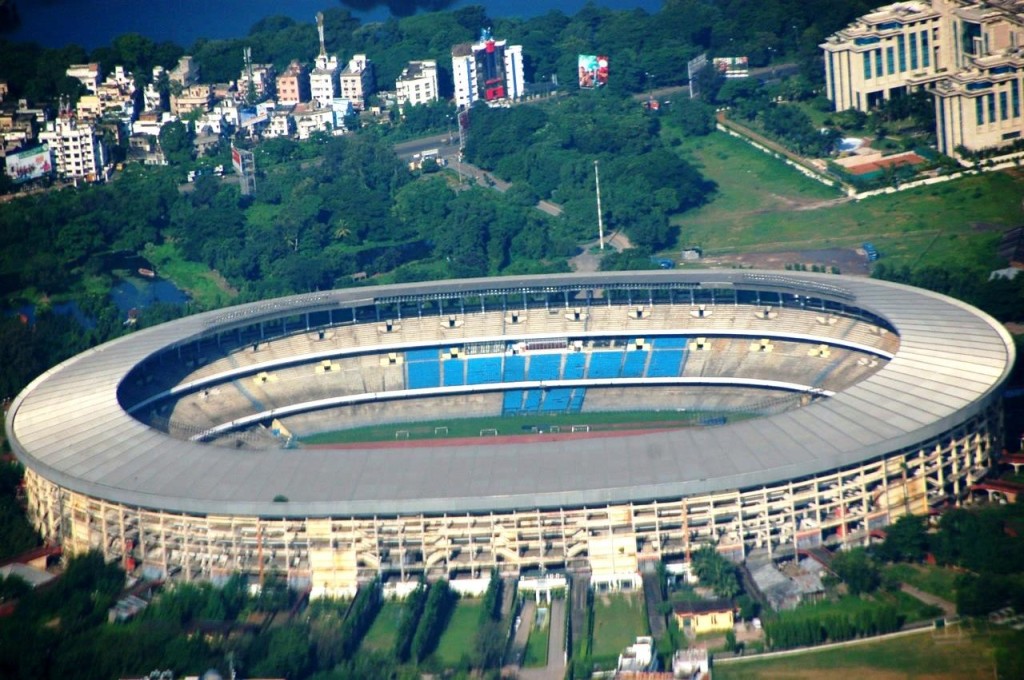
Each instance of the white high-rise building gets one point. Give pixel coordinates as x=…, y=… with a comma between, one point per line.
x=417, y=84
x=357, y=81
x=489, y=70
x=323, y=79
x=77, y=149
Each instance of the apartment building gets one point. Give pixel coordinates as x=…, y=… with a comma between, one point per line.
x=417, y=84
x=293, y=85
x=968, y=55
x=489, y=70
x=356, y=81
x=89, y=75
x=191, y=98
x=77, y=149
x=257, y=80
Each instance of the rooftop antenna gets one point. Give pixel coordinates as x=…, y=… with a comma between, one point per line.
x=320, y=30
x=600, y=221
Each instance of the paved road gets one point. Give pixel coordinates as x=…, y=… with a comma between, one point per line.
x=555, y=670
x=521, y=634
x=947, y=607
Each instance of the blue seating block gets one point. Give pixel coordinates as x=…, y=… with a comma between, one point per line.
x=454, y=372
x=545, y=366
x=533, y=398
x=483, y=370
x=665, y=363
x=515, y=368
x=557, y=400
x=429, y=354
x=575, y=366
x=605, y=364
x=424, y=374
x=670, y=342
x=633, y=367
x=513, y=401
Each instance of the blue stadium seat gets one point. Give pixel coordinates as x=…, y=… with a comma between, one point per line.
x=515, y=368
x=670, y=342
x=634, y=365
x=665, y=363
x=605, y=364
x=424, y=374
x=483, y=370
x=513, y=401
x=533, y=398
x=545, y=366
x=429, y=354
x=575, y=366
x=557, y=400
x=454, y=372
x=576, y=401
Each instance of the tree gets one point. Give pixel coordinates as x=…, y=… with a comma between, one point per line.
x=176, y=142
x=857, y=570
x=906, y=540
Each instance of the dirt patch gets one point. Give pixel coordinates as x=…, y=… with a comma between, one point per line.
x=846, y=260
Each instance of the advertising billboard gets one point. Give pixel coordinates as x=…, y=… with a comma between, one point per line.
x=732, y=67
x=593, y=70
x=30, y=164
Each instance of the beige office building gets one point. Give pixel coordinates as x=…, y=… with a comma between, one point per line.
x=968, y=55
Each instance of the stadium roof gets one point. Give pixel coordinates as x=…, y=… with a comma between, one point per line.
x=69, y=427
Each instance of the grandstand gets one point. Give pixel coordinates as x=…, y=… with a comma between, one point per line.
x=823, y=407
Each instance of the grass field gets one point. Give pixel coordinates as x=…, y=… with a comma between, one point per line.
x=460, y=635
x=764, y=205
x=382, y=634
x=536, y=655
x=517, y=425
x=931, y=579
x=948, y=655
x=618, y=620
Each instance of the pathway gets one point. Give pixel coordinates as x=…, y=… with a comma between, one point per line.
x=947, y=607
x=555, y=670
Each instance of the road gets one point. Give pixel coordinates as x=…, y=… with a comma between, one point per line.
x=555, y=670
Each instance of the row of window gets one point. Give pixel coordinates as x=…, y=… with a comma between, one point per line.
x=1009, y=105
x=899, y=53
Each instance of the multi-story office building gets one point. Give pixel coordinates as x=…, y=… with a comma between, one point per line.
x=357, y=81
x=968, y=55
x=489, y=70
x=417, y=84
x=76, y=147
x=293, y=85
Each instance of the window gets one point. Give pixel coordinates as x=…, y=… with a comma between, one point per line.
x=992, y=108
x=902, y=49
x=1004, y=110
x=867, y=66
x=979, y=110
x=1015, y=98
x=890, y=60
x=913, y=51
x=878, y=62
x=925, y=50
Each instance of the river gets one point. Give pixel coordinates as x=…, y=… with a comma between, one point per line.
x=95, y=23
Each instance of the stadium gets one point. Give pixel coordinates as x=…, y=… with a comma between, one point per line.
x=799, y=409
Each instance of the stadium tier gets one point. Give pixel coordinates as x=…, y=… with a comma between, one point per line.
x=177, y=450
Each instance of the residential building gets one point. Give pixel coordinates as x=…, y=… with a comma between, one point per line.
x=356, y=81
x=281, y=123
x=192, y=98
x=323, y=79
x=151, y=98
x=704, y=616
x=417, y=84
x=257, y=81
x=968, y=55
x=185, y=73
x=310, y=119
x=88, y=74
x=77, y=149
x=638, y=658
x=293, y=85
x=489, y=70
x=143, y=148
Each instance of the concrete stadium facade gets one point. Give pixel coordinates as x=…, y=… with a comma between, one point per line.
x=877, y=399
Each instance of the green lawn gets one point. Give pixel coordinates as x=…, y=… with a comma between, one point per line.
x=946, y=655
x=382, y=634
x=938, y=581
x=459, y=637
x=756, y=209
x=536, y=655
x=515, y=425
x=618, y=620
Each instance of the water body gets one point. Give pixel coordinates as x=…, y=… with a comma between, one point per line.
x=95, y=23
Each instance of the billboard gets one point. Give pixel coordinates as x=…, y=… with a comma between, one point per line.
x=30, y=164
x=732, y=67
x=593, y=70
x=693, y=68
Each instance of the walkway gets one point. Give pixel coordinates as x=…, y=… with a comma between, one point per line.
x=555, y=670
x=947, y=607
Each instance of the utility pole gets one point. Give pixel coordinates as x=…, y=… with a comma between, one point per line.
x=600, y=221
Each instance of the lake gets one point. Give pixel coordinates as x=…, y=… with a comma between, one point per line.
x=95, y=23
